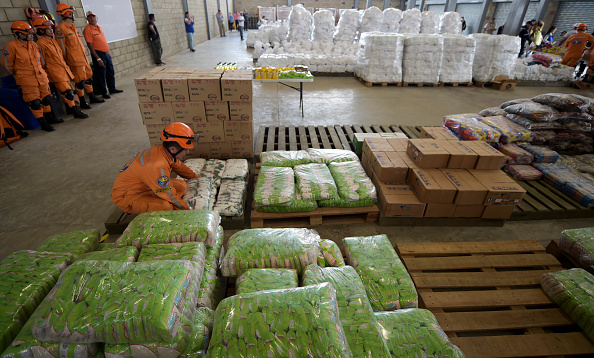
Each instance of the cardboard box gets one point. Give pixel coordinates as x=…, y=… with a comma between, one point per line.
x=503, y=83
x=175, y=88
x=489, y=158
x=210, y=132
x=498, y=211
x=204, y=86
x=189, y=112
x=439, y=210
x=148, y=88
x=398, y=199
x=242, y=149
x=237, y=86
x=438, y=133
x=156, y=113
x=359, y=138
x=469, y=190
x=216, y=111
x=432, y=186
x=222, y=150
x=200, y=150
x=389, y=166
x=241, y=111
x=468, y=211
x=409, y=163
x=375, y=145
x=398, y=144
x=502, y=190
x=461, y=157
x=427, y=153
x=239, y=131
x=154, y=131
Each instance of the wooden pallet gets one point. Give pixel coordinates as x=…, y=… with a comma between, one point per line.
x=564, y=258
x=383, y=84
x=456, y=84
x=422, y=84
x=317, y=217
x=487, y=298
x=445, y=222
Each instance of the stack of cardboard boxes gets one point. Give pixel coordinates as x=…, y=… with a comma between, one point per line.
x=441, y=177
x=216, y=104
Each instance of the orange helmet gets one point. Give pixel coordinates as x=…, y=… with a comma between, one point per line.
x=22, y=27
x=180, y=133
x=39, y=23
x=64, y=10
x=582, y=27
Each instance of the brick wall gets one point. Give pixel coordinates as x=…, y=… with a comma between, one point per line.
x=252, y=7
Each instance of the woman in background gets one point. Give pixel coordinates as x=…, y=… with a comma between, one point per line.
x=548, y=37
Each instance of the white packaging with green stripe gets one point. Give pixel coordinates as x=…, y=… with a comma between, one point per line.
x=315, y=182
x=275, y=186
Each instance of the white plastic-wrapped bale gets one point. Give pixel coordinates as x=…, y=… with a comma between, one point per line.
x=230, y=199
x=300, y=24
x=348, y=25
x=391, y=21
x=324, y=25
x=494, y=56
x=196, y=164
x=372, y=20
x=422, y=57
x=429, y=22
x=411, y=22
x=236, y=169
x=198, y=193
x=380, y=57
x=213, y=168
x=450, y=23
x=541, y=73
x=458, y=56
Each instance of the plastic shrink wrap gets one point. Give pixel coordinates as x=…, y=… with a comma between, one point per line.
x=516, y=155
x=541, y=73
x=391, y=21
x=380, y=57
x=411, y=22
x=315, y=182
x=348, y=26
x=522, y=172
x=198, y=193
x=213, y=168
x=579, y=244
x=300, y=24
x=458, y=57
x=208, y=284
x=236, y=169
x=275, y=186
x=195, y=164
x=467, y=126
x=324, y=25
x=256, y=280
x=74, y=243
x=510, y=132
x=372, y=20
x=422, y=57
x=352, y=182
x=495, y=55
x=450, y=23
x=429, y=22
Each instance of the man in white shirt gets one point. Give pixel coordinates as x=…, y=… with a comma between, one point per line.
x=240, y=22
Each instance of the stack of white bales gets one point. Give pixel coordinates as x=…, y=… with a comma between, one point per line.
x=372, y=20
x=391, y=21
x=319, y=56
x=411, y=22
x=495, y=55
x=458, y=57
x=300, y=24
x=429, y=22
x=450, y=23
x=348, y=26
x=542, y=73
x=380, y=57
x=323, y=25
x=421, y=61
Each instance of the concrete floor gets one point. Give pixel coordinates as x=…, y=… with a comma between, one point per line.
x=61, y=181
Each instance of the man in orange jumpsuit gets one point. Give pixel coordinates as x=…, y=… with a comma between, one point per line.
x=75, y=55
x=575, y=45
x=56, y=68
x=144, y=183
x=23, y=60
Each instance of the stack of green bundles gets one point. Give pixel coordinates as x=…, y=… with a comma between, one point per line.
x=256, y=280
x=573, y=290
x=124, y=254
x=206, y=294
x=116, y=302
x=331, y=252
x=315, y=182
x=298, y=322
x=356, y=315
x=271, y=248
x=75, y=243
x=327, y=156
x=388, y=284
x=414, y=332
x=25, y=279
x=162, y=227
x=281, y=158
x=354, y=186
x=213, y=168
x=200, y=334
x=275, y=186
x=191, y=251
x=579, y=244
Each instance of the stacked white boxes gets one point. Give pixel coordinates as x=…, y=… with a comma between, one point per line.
x=421, y=60
x=324, y=25
x=458, y=57
x=380, y=57
x=495, y=55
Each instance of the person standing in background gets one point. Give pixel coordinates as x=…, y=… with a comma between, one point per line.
x=236, y=20
x=567, y=34
x=576, y=44
x=490, y=27
x=153, y=35
x=536, y=35
x=525, y=39
x=230, y=22
x=463, y=24
x=221, y=22
x=548, y=37
x=245, y=19
x=189, y=21
x=102, y=63
x=240, y=22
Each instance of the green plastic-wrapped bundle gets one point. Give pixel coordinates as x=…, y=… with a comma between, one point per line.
x=213, y=168
x=573, y=290
x=298, y=322
x=123, y=254
x=106, y=246
x=356, y=314
x=275, y=186
x=192, y=251
x=315, y=182
x=212, y=260
x=163, y=227
x=230, y=199
x=579, y=244
x=255, y=280
x=352, y=182
x=414, y=332
x=388, y=284
x=75, y=243
x=200, y=335
x=332, y=253
x=327, y=156
x=270, y=248
x=119, y=302
x=294, y=206
x=284, y=158
x=341, y=203
x=25, y=279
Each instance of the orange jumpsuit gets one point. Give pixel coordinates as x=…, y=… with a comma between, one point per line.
x=575, y=47
x=24, y=62
x=56, y=68
x=144, y=183
x=75, y=55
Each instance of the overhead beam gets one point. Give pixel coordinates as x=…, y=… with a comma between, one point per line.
x=411, y=4
x=450, y=5
x=541, y=10
x=516, y=17
x=356, y=4
x=422, y=5
x=368, y=4
x=386, y=4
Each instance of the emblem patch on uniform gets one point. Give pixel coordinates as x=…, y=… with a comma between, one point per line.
x=5, y=52
x=163, y=181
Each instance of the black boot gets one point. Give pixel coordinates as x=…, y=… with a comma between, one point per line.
x=51, y=118
x=94, y=99
x=83, y=103
x=44, y=126
x=78, y=113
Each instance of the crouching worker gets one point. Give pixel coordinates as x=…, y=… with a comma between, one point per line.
x=144, y=183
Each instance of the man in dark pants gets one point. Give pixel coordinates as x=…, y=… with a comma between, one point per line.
x=102, y=64
x=525, y=39
x=153, y=35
